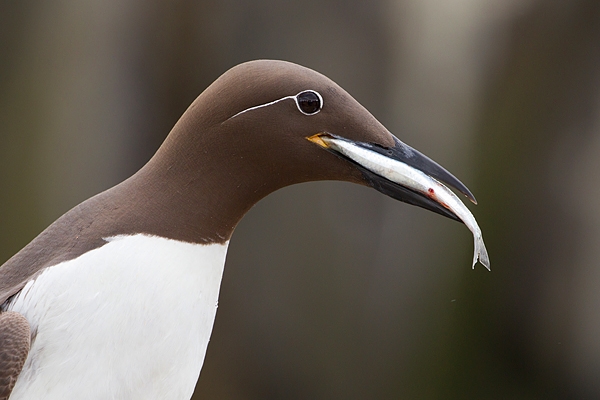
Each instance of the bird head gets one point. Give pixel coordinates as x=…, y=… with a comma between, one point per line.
x=282, y=121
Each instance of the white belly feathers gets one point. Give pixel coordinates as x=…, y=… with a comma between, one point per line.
x=129, y=320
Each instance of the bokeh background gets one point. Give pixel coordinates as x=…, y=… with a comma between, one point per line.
x=333, y=290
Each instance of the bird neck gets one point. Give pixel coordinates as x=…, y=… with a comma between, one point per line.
x=193, y=190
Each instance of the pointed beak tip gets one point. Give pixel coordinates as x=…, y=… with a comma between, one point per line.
x=471, y=198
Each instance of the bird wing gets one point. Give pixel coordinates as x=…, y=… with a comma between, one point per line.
x=15, y=338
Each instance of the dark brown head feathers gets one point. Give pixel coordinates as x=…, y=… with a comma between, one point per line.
x=241, y=139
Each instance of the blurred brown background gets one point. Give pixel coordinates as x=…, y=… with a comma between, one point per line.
x=344, y=293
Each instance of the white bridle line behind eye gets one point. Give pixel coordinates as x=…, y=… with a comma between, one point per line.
x=295, y=98
x=263, y=105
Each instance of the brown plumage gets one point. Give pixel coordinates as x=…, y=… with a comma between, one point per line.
x=14, y=346
x=243, y=138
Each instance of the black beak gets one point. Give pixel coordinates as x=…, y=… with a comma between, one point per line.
x=416, y=160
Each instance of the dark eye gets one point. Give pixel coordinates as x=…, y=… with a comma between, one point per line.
x=309, y=102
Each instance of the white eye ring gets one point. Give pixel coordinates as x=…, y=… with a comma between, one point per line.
x=309, y=102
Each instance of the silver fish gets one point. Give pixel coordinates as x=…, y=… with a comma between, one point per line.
x=407, y=176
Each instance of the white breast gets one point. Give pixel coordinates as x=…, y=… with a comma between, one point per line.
x=129, y=320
